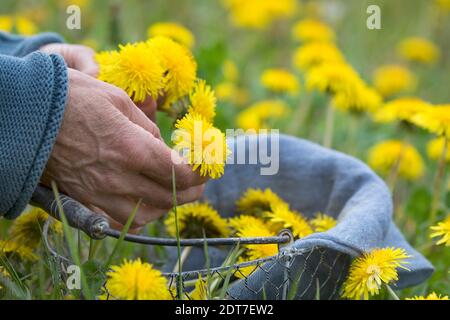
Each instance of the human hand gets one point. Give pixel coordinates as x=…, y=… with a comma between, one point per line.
x=77, y=57
x=81, y=58
x=108, y=154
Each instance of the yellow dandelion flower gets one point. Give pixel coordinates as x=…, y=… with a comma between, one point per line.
x=3, y=273
x=201, y=144
x=322, y=222
x=316, y=53
x=25, y=234
x=444, y=5
x=200, y=291
x=230, y=71
x=255, y=202
x=280, y=80
x=390, y=80
x=173, y=31
x=135, y=280
x=135, y=68
x=258, y=115
x=435, y=120
x=419, y=50
x=237, y=222
x=312, y=30
x=357, y=98
x=6, y=23
x=257, y=251
x=9, y=247
x=281, y=216
x=442, y=229
x=332, y=78
x=259, y=14
x=369, y=272
x=386, y=155
x=195, y=217
x=431, y=296
x=226, y=91
x=401, y=109
x=203, y=100
x=179, y=66
x=25, y=26
x=435, y=148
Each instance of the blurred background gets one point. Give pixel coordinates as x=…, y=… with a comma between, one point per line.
x=235, y=52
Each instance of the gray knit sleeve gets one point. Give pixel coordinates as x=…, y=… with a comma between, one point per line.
x=14, y=45
x=33, y=93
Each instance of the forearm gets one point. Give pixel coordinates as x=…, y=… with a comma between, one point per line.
x=18, y=46
x=32, y=99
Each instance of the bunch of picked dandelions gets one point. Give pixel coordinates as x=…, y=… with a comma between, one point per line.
x=166, y=71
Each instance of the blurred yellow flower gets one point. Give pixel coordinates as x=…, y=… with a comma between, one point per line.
x=419, y=50
x=236, y=222
x=25, y=233
x=3, y=273
x=357, y=98
x=259, y=115
x=431, y=296
x=442, y=229
x=332, y=78
x=21, y=24
x=315, y=53
x=435, y=148
x=256, y=202
x=6, y=23
x=401, y=109
x=392, y=79
x=230, y=71
x=230, y=92
x=203, y=145
x=387, y=155
x=179, y=65
x=322, y=222
x=135, y=68
x=259, y=14
x=443, y=5
x=135, y=280
x=194, y=218
x=370, y=271
x=173, y=31
x=203, y=100
x=435, y=119
x=25, y=26
x=312, y=30
x=280, y=217
x=280, y=80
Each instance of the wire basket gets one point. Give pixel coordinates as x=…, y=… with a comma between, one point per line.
x=294, y=273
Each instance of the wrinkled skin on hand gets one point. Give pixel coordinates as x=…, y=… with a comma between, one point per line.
x=109, y=154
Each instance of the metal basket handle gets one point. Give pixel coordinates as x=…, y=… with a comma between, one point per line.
x=97, y=226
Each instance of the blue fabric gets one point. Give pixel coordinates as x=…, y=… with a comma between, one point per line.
x=33, y=89
x=314, y=179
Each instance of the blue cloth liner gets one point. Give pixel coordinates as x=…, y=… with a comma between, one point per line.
x=313, y=179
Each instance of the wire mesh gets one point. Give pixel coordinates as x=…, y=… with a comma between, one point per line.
x=307, y=273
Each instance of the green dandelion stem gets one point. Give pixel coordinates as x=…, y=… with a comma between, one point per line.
x=329, y=127
x=392, y=293
x=439, y=178
x=184, y=255
x=395, y=170
x=174, y=195
x=300, y=115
